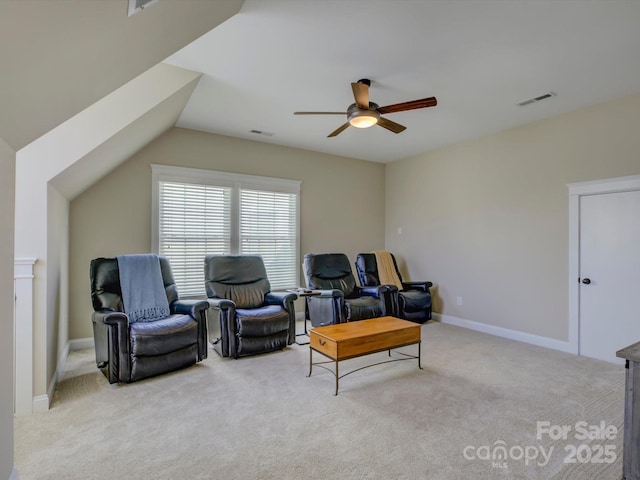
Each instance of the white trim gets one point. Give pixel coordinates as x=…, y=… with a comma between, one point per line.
x=213, y=177
x=505, y=333
x=41, y=402
x=608, y=185
x=23, y=334
x=62, y=360
x=577, y=190
x=80, y=344
x=574, y=273
x=155, y=209
x=25, y=261
x=23, y=267
x=14, y=475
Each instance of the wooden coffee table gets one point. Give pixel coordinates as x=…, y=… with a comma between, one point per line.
x=354, y=339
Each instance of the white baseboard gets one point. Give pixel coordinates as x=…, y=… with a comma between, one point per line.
x=14, y=475
x=80, y=343
x=506, y=333
x=41, y=402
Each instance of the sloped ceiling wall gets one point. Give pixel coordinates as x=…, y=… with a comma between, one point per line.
x=58, y=57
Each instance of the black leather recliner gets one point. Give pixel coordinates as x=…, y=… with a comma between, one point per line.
x=340, y=299
x=413, y=302
x=126, y=351
x=252, y=318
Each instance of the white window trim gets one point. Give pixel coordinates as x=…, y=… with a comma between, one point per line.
x=212, y=177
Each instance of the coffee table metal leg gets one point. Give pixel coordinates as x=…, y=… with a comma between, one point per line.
x=419, y=354
x=310, y=361
x=337, y=378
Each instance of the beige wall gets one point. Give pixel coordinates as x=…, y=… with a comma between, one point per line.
x=342, y=202
x=7, y=184
x=487, y=219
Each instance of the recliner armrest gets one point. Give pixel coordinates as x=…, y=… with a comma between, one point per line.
x=285, y=299
x=109, y=317
x=226, y=317
x=221, y=303
x=376, y=291
x=195, y=308
x=424, y=286
x=280, y=298
x=325, y=307
x=111, y=340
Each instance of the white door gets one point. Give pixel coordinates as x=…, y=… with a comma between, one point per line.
x=609, y=273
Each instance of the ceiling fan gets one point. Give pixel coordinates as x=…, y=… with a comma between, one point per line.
x=364, y=114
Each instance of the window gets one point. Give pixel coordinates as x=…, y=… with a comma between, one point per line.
x=201, y=212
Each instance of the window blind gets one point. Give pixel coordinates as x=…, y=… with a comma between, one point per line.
x=194, y=220
x=268, y=227
x=200, y=212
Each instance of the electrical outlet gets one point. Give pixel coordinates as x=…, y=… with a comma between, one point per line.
x=459, y=300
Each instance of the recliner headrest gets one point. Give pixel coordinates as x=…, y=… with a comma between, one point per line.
x=240, y=278
x=329, y=271
x=105, y=283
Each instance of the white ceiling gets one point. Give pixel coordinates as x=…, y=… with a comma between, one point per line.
x=478, y=57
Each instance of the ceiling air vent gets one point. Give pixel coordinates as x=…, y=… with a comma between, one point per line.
x=537, y=99
x=136, y=6
x=262, y=132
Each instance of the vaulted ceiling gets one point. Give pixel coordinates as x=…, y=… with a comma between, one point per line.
x=480, y=58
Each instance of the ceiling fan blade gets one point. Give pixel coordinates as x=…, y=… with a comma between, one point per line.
x=412, y=105
x=392, y=126
x=319, y=113
x=361, y=94
x=338, y=130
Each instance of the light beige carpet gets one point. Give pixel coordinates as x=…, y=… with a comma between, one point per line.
x=261, y=418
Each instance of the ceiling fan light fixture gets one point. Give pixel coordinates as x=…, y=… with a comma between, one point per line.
x=365, y=113
x=363, y=118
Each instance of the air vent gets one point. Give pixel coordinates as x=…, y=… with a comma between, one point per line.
x=262, y=132
x=136, y=6
x=537, y=99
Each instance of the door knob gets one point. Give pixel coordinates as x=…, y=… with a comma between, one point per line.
x=586, y=281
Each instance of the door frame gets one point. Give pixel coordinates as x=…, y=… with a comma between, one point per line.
x=577, y=190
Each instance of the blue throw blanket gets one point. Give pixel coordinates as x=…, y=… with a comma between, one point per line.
x=143, y=293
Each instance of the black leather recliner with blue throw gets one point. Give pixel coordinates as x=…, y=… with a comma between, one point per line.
x=144, y=329
x=252, y=318
x=340, y=299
